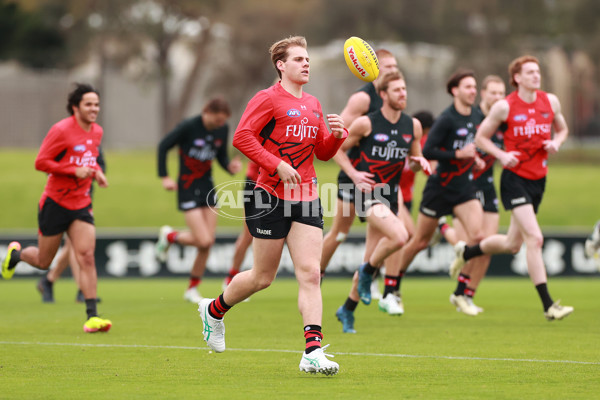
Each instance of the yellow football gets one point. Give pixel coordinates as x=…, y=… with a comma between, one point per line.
x=361, y=59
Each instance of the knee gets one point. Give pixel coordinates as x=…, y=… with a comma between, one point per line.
x=205, y=243
x=535, y=241
x=86, y=258
x=262, y=281
x=399, y=240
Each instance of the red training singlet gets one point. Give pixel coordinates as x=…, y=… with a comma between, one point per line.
x=529, y=124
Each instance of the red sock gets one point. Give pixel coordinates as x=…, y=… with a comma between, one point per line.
x=194, y=281
x=217, y=308
x=172, y=237
x=313, y=336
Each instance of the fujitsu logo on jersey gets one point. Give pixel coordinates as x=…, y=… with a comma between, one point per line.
x=389, y=152
x=203, y=154
x=86, y=160
x=302, y=131
x=532, y=128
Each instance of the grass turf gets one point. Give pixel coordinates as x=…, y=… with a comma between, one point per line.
x=155, y=348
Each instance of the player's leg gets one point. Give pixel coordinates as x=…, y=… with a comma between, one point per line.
x=424, y=230
x=202, y=224
x=46, y=283
x=307, y=268
x=242, y=243
x=380, y=218
x=83, y=241
x=340, y=227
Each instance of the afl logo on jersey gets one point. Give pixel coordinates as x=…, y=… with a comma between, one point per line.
x=79, y=148
x=381, y=137
x=199, y=142
x=462, y=132
x=293, y=113
x=520, y=117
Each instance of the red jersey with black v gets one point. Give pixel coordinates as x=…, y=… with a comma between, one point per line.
x=385, y=150
x=529, y=125
x=279, y=126
x=65, y=148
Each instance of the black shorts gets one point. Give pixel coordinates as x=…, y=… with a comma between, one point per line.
x=346, y=188
x=276, y=222
x=438, y=201
x=248, y=194
x=516, y=191
x=188, y=199
x=380, y=195
x=488, y=198
x=54, y=219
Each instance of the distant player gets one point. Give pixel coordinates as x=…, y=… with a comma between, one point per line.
x=592, y=244
x=69, y=156
x=450, y=190
x=363, y=101
x=492, y=90
x=200, y=140
x=531, y=115
x=387, y=139
x=282, y=130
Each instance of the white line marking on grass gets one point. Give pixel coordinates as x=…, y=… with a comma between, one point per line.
x=144, y=346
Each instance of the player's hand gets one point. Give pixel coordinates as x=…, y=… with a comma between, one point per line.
x=467, y=151
x=168, y=183
x=509, y=159
x=336, y=124
x=235, y=165
x=420, y=163
x=551, y=146
x=288, y=175
x=362, y=180
x=101, y=178
x=85, y=172
x=479, y=164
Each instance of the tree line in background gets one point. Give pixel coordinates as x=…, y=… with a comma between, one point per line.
x=140, y=35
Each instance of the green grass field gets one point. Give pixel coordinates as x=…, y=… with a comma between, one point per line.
x=135, y=198
x=155, y=348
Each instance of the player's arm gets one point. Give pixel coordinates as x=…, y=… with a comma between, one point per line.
x=434, y=146
x=489, y=126
x=359, y=129
x=166, y=144
x=233, y=166
x=561, y=131
x=416, y=161
x=328, y=144
x=357, y=105
x=52, y=150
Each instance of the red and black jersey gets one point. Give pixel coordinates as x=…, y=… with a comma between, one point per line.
x=278, y=126
x=452, y=131
x=65, y=148
x=529, y=124
x=385, y=150
x=485, y=177
x=198, y=146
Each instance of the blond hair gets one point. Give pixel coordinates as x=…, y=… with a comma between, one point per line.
x=279, y=49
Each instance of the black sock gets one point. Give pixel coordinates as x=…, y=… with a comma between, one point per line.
x=398, y=282
x=15, y=257
x=463, y=281
x=369, y=269
x=390, y=284
x=90, y=308
x=313, y=336
x=472, y=251
x=350, y=304
x=542, y=289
